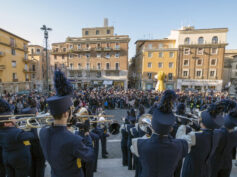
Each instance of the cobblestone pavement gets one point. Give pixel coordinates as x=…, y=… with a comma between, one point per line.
x=112, y=167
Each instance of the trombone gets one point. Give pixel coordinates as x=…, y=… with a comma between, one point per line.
x=192, y=119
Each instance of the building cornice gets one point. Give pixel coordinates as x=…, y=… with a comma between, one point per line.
x=13, y=35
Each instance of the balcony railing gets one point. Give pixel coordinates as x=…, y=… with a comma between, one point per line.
x=2, y=67
x=25, y=59
x=107, y=49
x=98, y=49
x=14, y=80
x=117, y=48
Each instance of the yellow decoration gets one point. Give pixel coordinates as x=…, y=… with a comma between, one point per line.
x=78, y=163
x=160, y=86
x=26, y=143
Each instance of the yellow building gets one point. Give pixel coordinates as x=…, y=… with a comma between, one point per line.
x=151, y=57
x=14, y=63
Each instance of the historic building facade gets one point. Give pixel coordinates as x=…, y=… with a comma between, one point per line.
x=98, y=58
x=153, y=56
x=14, y=63
x=200, y=57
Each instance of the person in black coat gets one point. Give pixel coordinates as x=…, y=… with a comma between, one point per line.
x=202, y=145
x=160, y=154
x=222, y=159
x=15, y=145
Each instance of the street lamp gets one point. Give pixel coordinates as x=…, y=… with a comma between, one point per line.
x=46, y=29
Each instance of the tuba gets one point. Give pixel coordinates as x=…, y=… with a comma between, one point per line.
x=145, y=122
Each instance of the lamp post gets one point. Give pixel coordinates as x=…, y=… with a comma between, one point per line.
x=46, y=29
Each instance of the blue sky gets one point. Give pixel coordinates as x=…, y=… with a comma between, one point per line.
x=139, y=19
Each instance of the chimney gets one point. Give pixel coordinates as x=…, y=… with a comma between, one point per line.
x=106, y=22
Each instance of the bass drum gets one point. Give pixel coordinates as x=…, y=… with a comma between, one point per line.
x=114, y=128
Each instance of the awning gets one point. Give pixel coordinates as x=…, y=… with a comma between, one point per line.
x=108, y=82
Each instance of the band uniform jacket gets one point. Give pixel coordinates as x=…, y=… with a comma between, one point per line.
x=64, y=151
x=202, y=146
x=159, y=155
x=222, y=159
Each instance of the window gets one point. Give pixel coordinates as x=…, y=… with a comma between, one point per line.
x=87, y=65
x=70, y=55
x=149, y=75
x=79, y=55
x=212, y=73
x=32, y=51
x=86, y=32
x=107, y=55
x=13, y=64
x=107, y=45
x=33, y=76
x=12, y=42
x=186, y=51
x=62, y=56
x=187, y=40
x=79, y=65
x=186, y=62
x=149, y=46
x=87, y=55
x=117, y=66
x=14, y=76
x=213, y=62
x=64, y=49
x=98, y=55
x=71, y=65
x=149, y=65
x=33, y=68
x=171, y=64
x=185, y=73
x=171, y=45
x=55, y=57
x=98, y=65
x=200, y=51
x=199, y=62
x=117, y=55
x=26, y=66
x=198, y=73
x=38, y=51
x=98, y=45
x=55, y=66
x=107, y=65
x=215, y=40
x=78, y=46
x=71, y=46
x=13, y=51
x=160, y=65
x=171, y=54
x=160, y=46
x=56, y=49
x=108, y=31
x=170, y=76
x=235, y=73
x=214, y=50
x=149, y=54
x=200, y=40
x=117, y=46
x=161, y=54
x=97, y=32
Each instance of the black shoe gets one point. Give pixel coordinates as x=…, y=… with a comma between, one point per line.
x=104, y=156
x=106, y=153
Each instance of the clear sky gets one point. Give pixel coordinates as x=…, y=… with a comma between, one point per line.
x=139, y=19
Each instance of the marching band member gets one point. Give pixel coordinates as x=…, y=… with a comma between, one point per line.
x=124, y=140
x=62, y=149
x=160, y=154
x=202, y=144
x=103, y=137
x=222, y=159
x=14, y=143
x=37, y=156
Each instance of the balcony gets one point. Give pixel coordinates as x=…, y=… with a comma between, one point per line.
x=2, y=54
x=27, y=80
x=86, y=49
x=2, y=67
x=28, y=70
x=25, y=59
x=107, y=49
x=14, y=80
x=117, y=48
x=98, y=49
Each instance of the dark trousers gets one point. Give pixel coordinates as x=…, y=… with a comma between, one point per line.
x=104, y=145
x=177, y=171
x=224, y=173
x=124, y=155
x=88, y=168
x=2, y=170
x=37, y=167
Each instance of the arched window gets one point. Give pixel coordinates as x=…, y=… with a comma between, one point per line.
x=215, y=40
x=200, y=40
x=187, y=40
